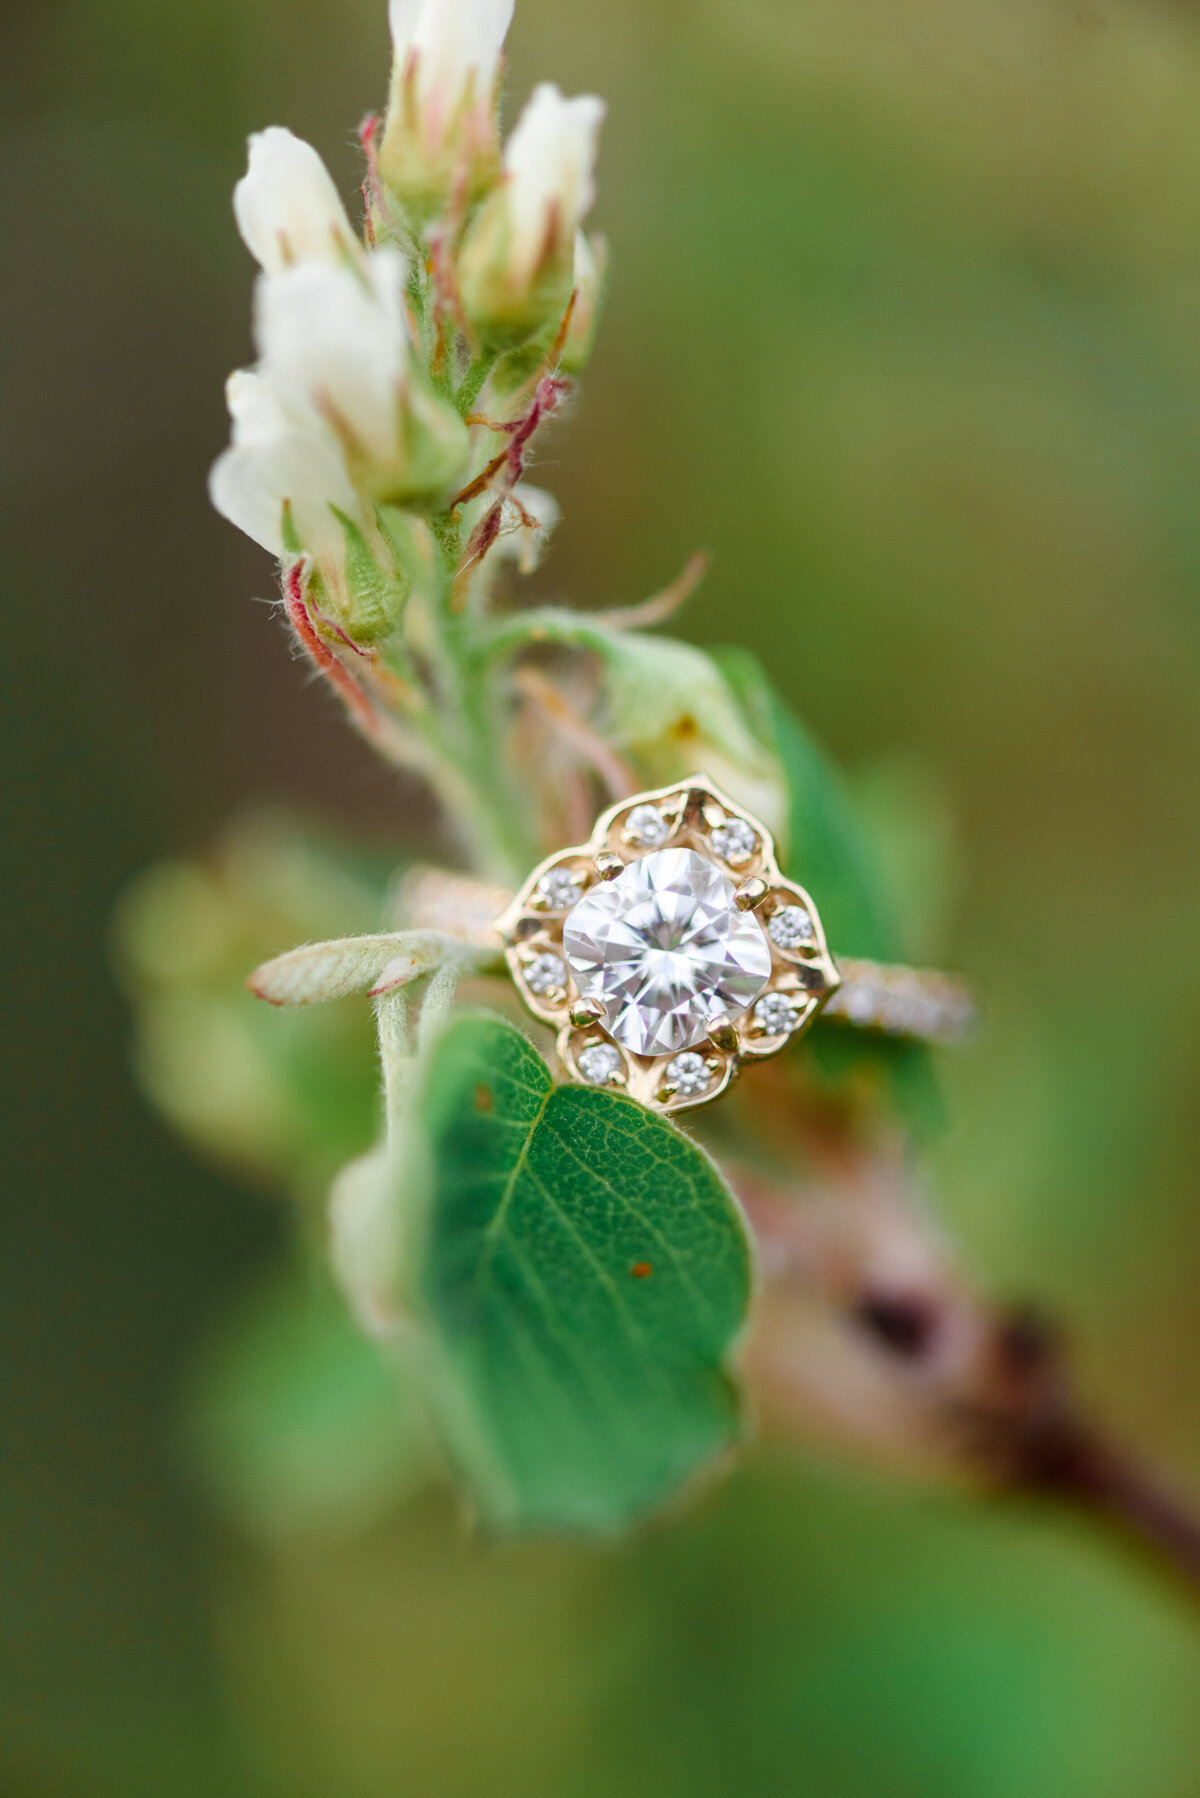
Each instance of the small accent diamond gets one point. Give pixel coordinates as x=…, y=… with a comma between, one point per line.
x=545, y=974
x=599, y=1064
x=558, y=890
x=791, y=926
x=776, y=1015
x=734, y=842
x=646, y=826
x=689, y=1074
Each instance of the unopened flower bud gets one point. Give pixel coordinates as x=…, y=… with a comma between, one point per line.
x=334, y=343
x=441, y=136
x=286, y=485
x=591, y=261
x=518, y=263
x=672, y=711
x=278, y=467
x=286, y=205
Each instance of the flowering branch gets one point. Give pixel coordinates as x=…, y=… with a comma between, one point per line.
x=366, y=452
x=380, y=450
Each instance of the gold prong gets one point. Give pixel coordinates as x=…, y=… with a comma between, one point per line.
x=751, y=893
x=584, y=1012
x=608, y=864
x=722, y=1035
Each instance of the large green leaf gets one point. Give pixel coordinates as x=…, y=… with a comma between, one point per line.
x=585, y=1273
x=826, y=848
x=830, y=853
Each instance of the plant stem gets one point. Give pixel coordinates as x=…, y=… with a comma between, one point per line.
x=464, y=730
x=1067, y=1460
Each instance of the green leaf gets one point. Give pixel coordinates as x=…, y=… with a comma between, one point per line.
x=585, y=1274
x=829, y=852
x=284, y=1098
x=298, y=1422
x=826, y=848
x=905, y=1068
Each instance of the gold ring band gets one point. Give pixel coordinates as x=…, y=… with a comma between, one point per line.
x=921, y=1004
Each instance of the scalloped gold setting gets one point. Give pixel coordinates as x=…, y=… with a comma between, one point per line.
x=692, y=815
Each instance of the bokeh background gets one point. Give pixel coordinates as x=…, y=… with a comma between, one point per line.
x=905, y=328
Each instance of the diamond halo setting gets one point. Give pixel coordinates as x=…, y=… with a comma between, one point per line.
x=660, y=973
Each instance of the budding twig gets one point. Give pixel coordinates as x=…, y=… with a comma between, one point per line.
x=318, y=972
x=1073, y=1463
x=869, y=1334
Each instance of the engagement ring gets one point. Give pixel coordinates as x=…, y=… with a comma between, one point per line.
x=669, y=950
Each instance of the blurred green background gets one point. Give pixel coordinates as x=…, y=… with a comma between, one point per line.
x=905, y=328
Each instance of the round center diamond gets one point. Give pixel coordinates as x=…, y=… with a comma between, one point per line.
x=665, y=950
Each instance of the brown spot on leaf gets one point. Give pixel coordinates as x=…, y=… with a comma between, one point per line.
x=641, y=1270
x=483, y=1098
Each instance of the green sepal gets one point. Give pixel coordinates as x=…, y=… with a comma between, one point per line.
x=518, y=367
x=396, y=529
x=432, y=451
x=585, y=1271
x=376, y=595
x=504, y=316
x=466, y=394
x=291, y=537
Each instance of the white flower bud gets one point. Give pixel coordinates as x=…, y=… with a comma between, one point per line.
x=518, y=263
x=286, y=205
x=334, y=421
x=454, y=44
x=440, y=131
x=591, y=260
x=284, y=481
x=334, y=343
x=277, y=462
x=550, y=162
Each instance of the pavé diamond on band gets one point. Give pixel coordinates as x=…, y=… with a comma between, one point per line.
x=669, y=949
